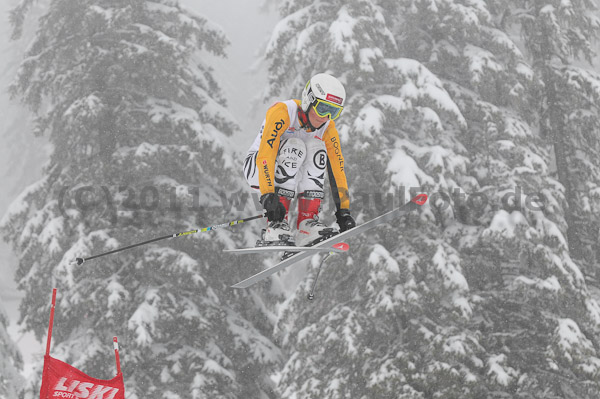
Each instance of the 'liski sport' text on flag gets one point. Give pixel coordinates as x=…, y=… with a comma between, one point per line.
x=63, y=381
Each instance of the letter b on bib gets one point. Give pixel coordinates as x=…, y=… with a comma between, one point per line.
x=320, y=159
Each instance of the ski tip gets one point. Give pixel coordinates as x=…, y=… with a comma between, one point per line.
x=419, y=199
x=240, y=285
x=342, y=246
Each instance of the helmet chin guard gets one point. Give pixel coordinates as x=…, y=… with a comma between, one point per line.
x=323, y=88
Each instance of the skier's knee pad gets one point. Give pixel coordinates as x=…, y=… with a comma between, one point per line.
x=291, y=156
x=313, y=169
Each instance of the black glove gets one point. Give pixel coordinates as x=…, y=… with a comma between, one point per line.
x=345, y=220
x=275, y=209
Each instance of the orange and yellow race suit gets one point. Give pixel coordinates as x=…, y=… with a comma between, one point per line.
x=281, y=123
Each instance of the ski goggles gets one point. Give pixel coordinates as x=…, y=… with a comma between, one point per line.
x=324, y=108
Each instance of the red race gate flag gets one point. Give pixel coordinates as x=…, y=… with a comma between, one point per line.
x=63, y=381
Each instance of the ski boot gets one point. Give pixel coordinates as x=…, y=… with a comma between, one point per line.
x=276, y=233
x=311, y=232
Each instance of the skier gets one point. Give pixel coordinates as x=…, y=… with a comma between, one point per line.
x=297, y=142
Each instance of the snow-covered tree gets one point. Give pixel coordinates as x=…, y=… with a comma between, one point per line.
x=10, y=362
x=141, y=133
x=512, y=247
x=558, y=36
x=478, y=295
x=363, y=338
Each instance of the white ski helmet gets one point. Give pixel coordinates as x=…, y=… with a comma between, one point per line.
x=326, y=94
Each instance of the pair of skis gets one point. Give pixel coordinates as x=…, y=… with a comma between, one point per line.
x=292, y=250
x=330, y=245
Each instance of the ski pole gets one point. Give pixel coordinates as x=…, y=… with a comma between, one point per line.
x=80, y=261
x=311, y=294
